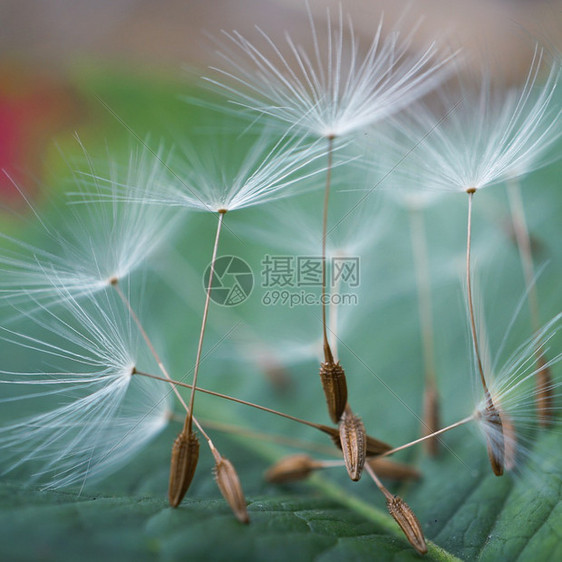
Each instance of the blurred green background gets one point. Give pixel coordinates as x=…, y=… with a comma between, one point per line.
x=463, y=508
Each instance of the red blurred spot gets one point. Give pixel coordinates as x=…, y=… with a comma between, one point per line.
x=33, y=109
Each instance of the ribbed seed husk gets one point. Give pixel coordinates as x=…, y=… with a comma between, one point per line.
x=185, y=454
x=495, y=441
x=391, y=470
x=353, y=440
x=544, y=398
x=231, y=489
x=291, y=469
x=334, y=385
x=431, y=421
x=405, y=517
x=374, y=446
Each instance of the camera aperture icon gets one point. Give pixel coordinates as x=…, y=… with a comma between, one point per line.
x=233, y=281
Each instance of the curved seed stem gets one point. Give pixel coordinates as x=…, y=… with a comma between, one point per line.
x=327, y=351
x=469, y=291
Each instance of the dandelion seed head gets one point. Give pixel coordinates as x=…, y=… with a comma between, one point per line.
x=96, y=244
x=92, y=414
x=486, y=134
x=513, y=391
x=232, y=171
x=333, y=89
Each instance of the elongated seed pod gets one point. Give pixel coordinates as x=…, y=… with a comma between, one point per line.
x=334, y=385
x=431, y=421
x=544, y=397
x=406, y=518
x=291, y=469
x=185, y=454
x=392, y=470
x=231, y=489
x=495, y=441
x=353, y=440
x=374, y=446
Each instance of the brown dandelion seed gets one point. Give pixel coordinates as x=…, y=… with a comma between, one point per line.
x=334, y=385
x=391, y=470
x=231, y=489
x=405, y=517
x=544, y=392
x=353, y=438
x=185, y=454
x=291, y=469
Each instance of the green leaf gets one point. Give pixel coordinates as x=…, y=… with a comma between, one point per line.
x=465, y=511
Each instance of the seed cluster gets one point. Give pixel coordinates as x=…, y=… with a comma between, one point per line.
x=313, y=112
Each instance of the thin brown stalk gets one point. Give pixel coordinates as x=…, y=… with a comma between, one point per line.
x=524, y=246
x=239, y=401
x=269, y=437
x=426, y=437
x=543, y=376
x=189, y=417
x=496, y=445
x=136, y=320
x=168, y=378
x=185, y=450
x=469, y=291
x=327, y=351
x=374, y=446
x=332, y=375
x=431, y=418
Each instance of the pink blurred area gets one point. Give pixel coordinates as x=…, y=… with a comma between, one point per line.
x=40, y=41
x=34, y=106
